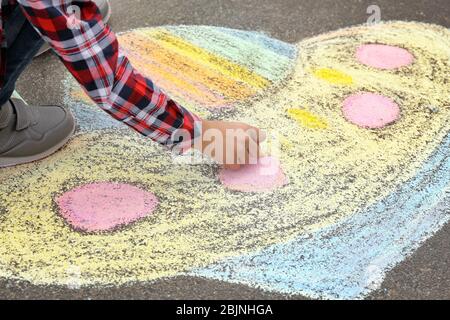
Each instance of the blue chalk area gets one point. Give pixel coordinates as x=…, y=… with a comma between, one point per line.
x=263, y=60
x=90, y=119
x=280, y=47
x=349, y=259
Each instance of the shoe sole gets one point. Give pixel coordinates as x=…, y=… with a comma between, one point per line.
x=46, y=47
x=12, y=162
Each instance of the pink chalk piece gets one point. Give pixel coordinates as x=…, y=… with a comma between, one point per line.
x=383, y=56
x=370, y=110
x=265, y=176
x=105, y=206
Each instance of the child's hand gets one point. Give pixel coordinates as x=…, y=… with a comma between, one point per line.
x=231, y=144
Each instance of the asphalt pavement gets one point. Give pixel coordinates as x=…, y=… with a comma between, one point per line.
x=424, y=275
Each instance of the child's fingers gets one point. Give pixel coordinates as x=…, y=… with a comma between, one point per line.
x=262, y=136
x=243, y=151
x=232, y=166
x=254, y=151
x=257, y=134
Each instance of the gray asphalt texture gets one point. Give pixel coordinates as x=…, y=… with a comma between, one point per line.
x=424, y=275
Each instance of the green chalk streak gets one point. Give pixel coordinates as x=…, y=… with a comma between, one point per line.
x=266, y=63
x=17, y=96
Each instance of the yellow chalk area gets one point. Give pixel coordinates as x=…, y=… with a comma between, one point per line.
x=285, y=142
x=187, y=75
x=226, y=67
x=307, y=119
x=333, y=76
x=333, y=173
x=175, y=83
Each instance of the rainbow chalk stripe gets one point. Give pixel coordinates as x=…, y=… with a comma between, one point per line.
x=211, y=67
x=203, y=68
x=349, y=259
x=368, y=181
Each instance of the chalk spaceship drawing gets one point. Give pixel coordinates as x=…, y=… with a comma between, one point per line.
x=362, y=178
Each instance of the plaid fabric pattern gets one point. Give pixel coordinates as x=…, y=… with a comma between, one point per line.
x=90, y=51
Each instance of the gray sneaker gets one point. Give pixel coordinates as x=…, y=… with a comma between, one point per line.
x=105, y=10
x=32, y=133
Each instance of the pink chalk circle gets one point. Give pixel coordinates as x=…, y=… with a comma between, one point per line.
x=264, y=176
x=105, y=206
x=383, y=56
x=370, y=110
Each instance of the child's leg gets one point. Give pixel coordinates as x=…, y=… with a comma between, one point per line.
x=27, y=133
x=22, y=44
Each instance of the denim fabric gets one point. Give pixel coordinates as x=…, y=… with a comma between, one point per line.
x=23, y=42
